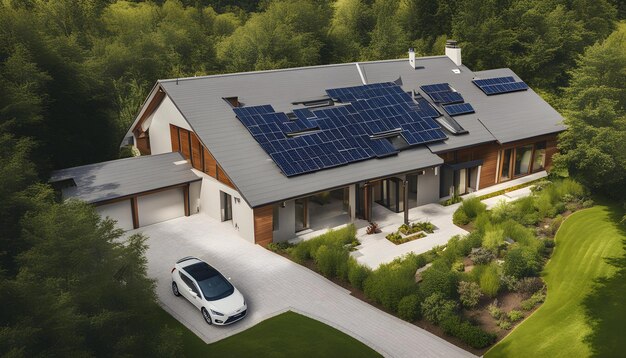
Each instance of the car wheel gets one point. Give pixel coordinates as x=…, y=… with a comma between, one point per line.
x=175, y=289
x=207, y=317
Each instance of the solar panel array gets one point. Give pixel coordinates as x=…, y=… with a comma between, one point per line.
x=342, y=134
x=497, y=85
x=458, y=109
x=452, y=102
x=442, y=93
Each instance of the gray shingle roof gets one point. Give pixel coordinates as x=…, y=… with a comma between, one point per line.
x=118, y=178
x=508, y=117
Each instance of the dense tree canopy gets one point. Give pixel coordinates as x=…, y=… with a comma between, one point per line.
x=593, y=149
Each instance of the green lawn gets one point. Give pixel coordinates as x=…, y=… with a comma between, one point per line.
x=585, y=311
x=286, y=335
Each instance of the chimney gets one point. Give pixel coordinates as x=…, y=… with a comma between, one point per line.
x=412, y=58
x=453, y=52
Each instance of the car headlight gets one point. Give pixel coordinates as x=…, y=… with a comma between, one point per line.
x=217, y=313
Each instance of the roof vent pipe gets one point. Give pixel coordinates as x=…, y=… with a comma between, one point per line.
x=412, y=58
x=453, y=52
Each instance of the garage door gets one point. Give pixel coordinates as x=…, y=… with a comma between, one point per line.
x=120, y=211
x=161, y=206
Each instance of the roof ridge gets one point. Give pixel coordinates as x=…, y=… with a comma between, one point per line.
x=291, y=69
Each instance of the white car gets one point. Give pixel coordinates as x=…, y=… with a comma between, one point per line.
x=207, y=289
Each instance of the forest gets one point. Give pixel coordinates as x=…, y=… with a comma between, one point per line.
x=73, y=74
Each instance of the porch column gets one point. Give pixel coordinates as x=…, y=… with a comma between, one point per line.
x=405, y=185
x=352, y=192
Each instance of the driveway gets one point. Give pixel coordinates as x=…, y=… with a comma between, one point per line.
x=273, y=284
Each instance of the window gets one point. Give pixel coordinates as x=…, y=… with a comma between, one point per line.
x=189, y=283
x=226, y=205
x=522, y=159
x=275, y=215
x=539, y=159
x=505, y=165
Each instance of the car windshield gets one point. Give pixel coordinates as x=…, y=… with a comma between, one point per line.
x=212, y=284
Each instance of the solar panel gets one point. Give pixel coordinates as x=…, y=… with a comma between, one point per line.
x=498, y=85
x=333, y=136
x=458, y=109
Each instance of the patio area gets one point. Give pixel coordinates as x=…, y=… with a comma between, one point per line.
x=375, y=249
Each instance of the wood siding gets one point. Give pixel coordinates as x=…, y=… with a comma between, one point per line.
x=263, y=225
x=223, y=178
x=196, y=152
x=185, y=144
x=210, y=165
x=175, y=138
x=189, y=145
x=489, y=154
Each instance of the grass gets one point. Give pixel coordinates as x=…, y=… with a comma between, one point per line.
x=286, y=335
x=584, y=314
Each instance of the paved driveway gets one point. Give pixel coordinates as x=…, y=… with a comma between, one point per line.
x=272, y=285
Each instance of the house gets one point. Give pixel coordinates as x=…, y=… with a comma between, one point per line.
x=278, y=152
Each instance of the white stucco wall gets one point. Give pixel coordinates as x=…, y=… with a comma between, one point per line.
x=120, y=211
x=161, y=206
x=428, y=187
x=160, y=120
x=209, y=203
x=286, y=222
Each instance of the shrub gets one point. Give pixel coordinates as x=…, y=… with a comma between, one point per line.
x=279, y=246
x=524, y=212
x=518, y=233
x=436, y=307
x=534, y=300
x=489, y=281
x=332, y=261
x=126, y=152
x=473, y=206
x=483, y=221
x=306, y=250
x=501, y=211
x=515, y=315
x=509, y=282
x=494, y=239
x=504, y=324
x=481, y=256
x=494, y=310
x=521, y=262
x=409, y=308
x=469, y=293
x=460, y=218
x=357, y=273
x=425, y=226
x=472, y=335
x=529, y=285
x=549, y=243
x=570, y=187
x=458, y=266
x=392, y=281
x=588, y=203
x=439, y=281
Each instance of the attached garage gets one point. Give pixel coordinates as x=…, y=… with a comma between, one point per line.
x=135, y=192
x=161, y=206
x=120, y=211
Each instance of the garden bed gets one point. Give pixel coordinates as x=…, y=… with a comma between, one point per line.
x=414, y=231
x=455, y=298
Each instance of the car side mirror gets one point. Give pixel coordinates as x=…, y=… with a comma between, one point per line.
x=193, y=293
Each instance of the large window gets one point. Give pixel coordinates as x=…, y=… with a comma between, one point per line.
x=539, y=160
x=523, y=156
x=505, y=165
x=522, y=160
x=275, y=217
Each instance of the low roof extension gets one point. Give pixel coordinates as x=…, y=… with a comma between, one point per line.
x=120, y=178
x=200, y=100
